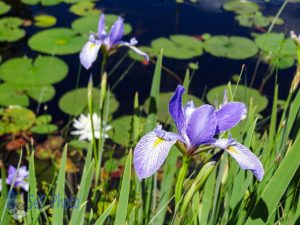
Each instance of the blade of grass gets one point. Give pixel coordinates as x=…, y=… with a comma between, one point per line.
x=121, y=212
x=105, y=214
x=58, y=209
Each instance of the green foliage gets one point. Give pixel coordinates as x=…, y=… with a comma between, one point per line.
x=68, y=102
x=84, y=8
x=43, y=2
x=44, y=21
x=230, y=47
x=120, y=132
x=10, y=29
x=4, y=8
x=57, y=41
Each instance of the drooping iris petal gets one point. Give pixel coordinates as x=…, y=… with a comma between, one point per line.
x=229, y=115
x=116, y=32
x=101, y=27
x=131, y=44
x=89, y=54
x=175, y=109
x=150, y=153
x=201, y=126
x=246, y=159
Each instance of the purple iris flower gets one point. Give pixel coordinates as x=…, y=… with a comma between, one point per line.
x=196, y=126
x=21, y=175
x=108, y=42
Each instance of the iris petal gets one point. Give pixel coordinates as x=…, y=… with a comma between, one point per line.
x=230, y=115
x=116, y=32
x=246, y=159
x=150, y=153
x=89, y=54
x=101, y=27
x=175, y=109
x=201, y=125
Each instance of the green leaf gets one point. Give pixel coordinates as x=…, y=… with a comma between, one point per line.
x=88, y=24
x=44, y=129
x=178, y=46
x=11, y=95
x=4, y=8
x=273, y=192
x=9, y=29
x=57, y=41
x=105, y=214
x=79, y=144
x=233, y=47
x=44, y=70
x=124, y=193
x=243, y=7
x=44, y=119
x=58, y=210
x=44, y=21
x=121, y=130
x=41, y=94
x=68, y=102
x=84, y=8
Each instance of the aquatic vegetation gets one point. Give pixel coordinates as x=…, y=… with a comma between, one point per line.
x=84, y=128
x=10, y=30
x=107, y=41
x=44, y=20
x=4, y=8
x=84, y=8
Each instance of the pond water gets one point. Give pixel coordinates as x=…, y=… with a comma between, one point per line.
x=154, y=19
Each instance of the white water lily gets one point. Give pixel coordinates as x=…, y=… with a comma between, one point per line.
x=84, y=129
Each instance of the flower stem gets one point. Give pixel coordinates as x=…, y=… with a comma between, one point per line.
x=200, y=179
x=180, y=180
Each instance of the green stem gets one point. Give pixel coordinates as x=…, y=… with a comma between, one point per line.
x=103, y=64
x=202, y=176
x=180, y=180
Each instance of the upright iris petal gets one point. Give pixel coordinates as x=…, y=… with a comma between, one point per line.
x=116, y=32
x=175, y=109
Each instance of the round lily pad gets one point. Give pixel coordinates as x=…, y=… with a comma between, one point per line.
x=88, y=24
x=44, y=129
x=69, y=102
x=230, y=47
x=164, y=99
x=9, y=29
x=242, y=94
x=241, y=7
x=4, y=8
x=59, y=41
x=276, y=44
x=44, y=21
x=10, y=95
x=44, y=119
x=44, y=70
x=121, y=130
x=43, y=2
x=41, y=94
x=178, y=46
x=253, y=20
x=84, y=9
x=79, y=144
x=16, y=119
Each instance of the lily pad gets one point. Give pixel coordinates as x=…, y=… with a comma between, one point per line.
x=69, y=102
x=164, y=99
x=41, y=94
x=230, y=47
x=4, y=8
x=10, y=95
x=121, y=130
x=178, y=46
x=242, y=94
x=88, y=24
x=16, y=119
x=253, y=20
x=10, y=29
x=43, y=71
x=242, y=7
x=276, y=44
x=44, y=129
x=44, y=119
x=43, y=2
x=44, y=21
x=59, y=41
x=84, y=9
x=79, y=144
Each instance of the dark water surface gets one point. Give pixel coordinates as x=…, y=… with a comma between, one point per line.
x=151, y=19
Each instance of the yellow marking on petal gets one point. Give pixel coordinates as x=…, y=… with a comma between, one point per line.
x=232, y=149
x=92, y=45
x=157, y=142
